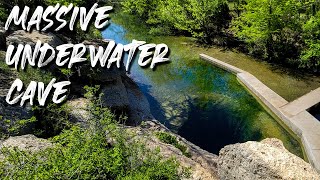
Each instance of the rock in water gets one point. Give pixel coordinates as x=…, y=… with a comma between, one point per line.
x=267, y=159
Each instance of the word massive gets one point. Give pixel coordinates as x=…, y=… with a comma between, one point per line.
x=40, y=15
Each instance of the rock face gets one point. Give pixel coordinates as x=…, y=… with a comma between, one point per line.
x=79, y=110
x=120, y=93
x=265, y=160
x=203, y=164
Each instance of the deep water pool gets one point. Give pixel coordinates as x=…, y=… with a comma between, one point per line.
x=204, y=104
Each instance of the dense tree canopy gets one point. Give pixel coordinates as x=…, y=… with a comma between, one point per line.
x=283, y=31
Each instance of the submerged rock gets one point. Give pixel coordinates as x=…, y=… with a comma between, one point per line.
x=267, y=159
x=138, y=108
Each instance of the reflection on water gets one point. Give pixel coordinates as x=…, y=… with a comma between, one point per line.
x=202, y=103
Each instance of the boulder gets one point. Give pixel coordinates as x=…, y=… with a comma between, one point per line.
x=115, y=95
x=267, y=159
x=27, y=142
x=79, y=110
x=139, y=107
x=23, y=37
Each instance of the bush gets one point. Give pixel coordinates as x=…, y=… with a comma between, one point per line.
x=6, y=6
x=100, y=151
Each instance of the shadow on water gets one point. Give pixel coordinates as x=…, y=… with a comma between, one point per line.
x=315, y=111
x=210, y=130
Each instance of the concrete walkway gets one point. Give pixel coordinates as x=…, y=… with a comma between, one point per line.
x=293, y=114
x=303, y=103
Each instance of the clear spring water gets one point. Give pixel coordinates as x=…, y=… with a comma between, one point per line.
x=202, y=103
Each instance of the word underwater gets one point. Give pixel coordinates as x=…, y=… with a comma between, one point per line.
x=75, y=53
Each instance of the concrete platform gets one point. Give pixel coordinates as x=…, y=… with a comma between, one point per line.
x=303, y=103
x=293, y=114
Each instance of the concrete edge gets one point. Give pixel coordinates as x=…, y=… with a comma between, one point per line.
x=221, y=64
x=297, y=124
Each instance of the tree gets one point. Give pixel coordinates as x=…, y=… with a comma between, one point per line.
x=204, y=19
x=310, y=57
x=270, y=28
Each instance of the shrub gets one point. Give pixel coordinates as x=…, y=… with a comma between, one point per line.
x=88, y=153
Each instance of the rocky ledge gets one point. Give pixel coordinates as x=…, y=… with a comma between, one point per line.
x=267, y=159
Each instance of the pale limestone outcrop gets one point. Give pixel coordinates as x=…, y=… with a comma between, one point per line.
x=23, y=37
x=27, y=142
x=267, y=159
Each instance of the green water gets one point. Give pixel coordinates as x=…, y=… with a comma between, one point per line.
x=202, y=103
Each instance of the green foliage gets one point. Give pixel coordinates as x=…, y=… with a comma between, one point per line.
x=203, y=19
x=14, y=127
x=66, y=2
x=170, y=139
x=6, y=6
x=310, y=57
x=273, y=30
x=270, y=28
x=52, y=119
x=38, y=75
x=102, y=151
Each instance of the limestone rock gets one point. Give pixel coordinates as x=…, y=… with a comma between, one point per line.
x=115, y=95
x=23, y=37
x=262, y=160
x=79, y=110
x=202, y=163
x=139, y=108
x=27, y=142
